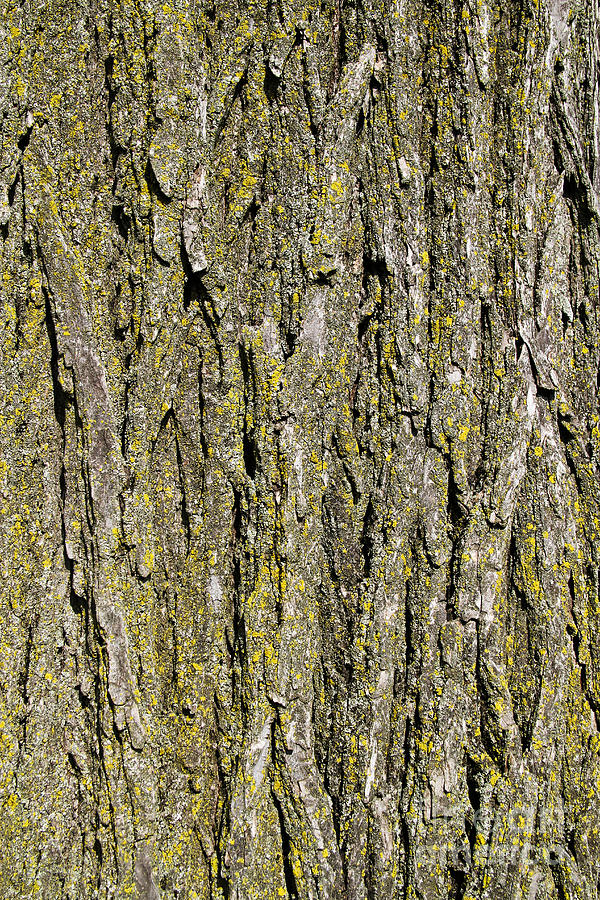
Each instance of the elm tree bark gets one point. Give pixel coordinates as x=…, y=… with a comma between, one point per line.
x=300, y=449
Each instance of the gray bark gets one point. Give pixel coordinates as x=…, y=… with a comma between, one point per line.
x=299, y=450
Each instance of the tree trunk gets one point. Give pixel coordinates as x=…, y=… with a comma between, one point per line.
x=300, y=447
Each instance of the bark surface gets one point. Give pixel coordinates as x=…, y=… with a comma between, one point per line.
x=300, y=449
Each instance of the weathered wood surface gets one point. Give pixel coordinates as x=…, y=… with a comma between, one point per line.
x=299, y=450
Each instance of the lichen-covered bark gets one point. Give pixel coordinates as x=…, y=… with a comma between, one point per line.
x=300, y=449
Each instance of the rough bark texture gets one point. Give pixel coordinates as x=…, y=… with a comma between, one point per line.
x=300, y=449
